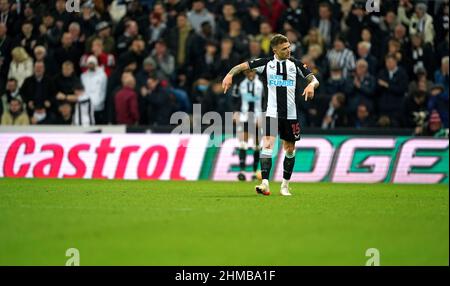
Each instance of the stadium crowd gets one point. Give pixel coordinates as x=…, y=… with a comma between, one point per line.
x=136, y=62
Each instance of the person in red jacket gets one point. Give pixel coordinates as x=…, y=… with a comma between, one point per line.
x=126, y=101
x=272, y=10
x=105, y=60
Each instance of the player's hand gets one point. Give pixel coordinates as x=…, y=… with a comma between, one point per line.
x=308, y=92
x=227, y=82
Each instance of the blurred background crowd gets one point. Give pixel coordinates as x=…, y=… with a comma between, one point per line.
x=136, y=62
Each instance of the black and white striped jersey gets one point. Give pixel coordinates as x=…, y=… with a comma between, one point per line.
x=251, y=93
x=281, y=81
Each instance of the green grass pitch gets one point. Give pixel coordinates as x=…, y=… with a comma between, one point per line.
x=217, y=223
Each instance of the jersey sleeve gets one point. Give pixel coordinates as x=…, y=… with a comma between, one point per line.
x=258, y=64
x=302, y=68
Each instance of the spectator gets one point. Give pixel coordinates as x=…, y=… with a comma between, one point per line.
x=395, y=49
x=420, y=23
x=5, y=53
x=364, y=53
x=124, y=41
x=64, y=115
x=40, y=54
x=326, y=24
x=421, y=56
x=77, y=37
x=68, y=51
x=136, y=53
x=228, y=58
x=255, y=50
x=105, y=60
x=26, y=39
x=272, y=11
x=438, y=101
x=148, y=68
x=41, y=116
x=296, y=45
x=65, y=82
x=215, y=100
x=363, y=117
x=239, y=38
x=342, y=57
x=335, y=115
x=38, y=89
x=434, y=126
x=337, y=83
x=441, y=76
x=415, y=111
x=421, y=82
x=357, y=21
x=94, y=79
x=8, y=17
x=103, y=32
x=15, y=114
x=252, y=20
x=197, y=49
x=156, y=29
x=125, y=101
x=441, y=21
x=179, y=39
x=12, y=92
x=224, y=20
x=313, y=38
x=165, y=62
x=296, y=17
x=316, y=53
x=200, y=90
x=175, y=8
x=88, y=19
x=208, y=65
x=388, y=23
x=60, y=14
x=21, y=65
x=264, y=37
x=364, y=85
x=84, y=111
x=392, y=85
x=199, y=14
x=158, y=101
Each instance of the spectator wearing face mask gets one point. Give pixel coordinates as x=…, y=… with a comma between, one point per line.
x=337, y=83
x=15, y=115
x=95, y=81
x=41, y=116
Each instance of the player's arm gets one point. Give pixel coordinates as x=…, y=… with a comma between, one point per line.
x=313, y=83
x=228, y=80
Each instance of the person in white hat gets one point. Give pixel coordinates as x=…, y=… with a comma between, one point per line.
x=94, y=81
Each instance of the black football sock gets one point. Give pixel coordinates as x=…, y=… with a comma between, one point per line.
x=266, y=163
x=242, y=157
x=288, y=165
x=255, y=160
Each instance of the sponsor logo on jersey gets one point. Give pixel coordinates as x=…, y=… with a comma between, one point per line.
x=277, y=80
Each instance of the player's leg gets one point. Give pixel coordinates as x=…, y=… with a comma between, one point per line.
x=243, y=146
x=290, y=132
x=288, y=166
x=256, y=154
x=270, y=131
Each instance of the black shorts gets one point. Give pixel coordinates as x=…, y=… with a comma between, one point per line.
x=289, y=129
